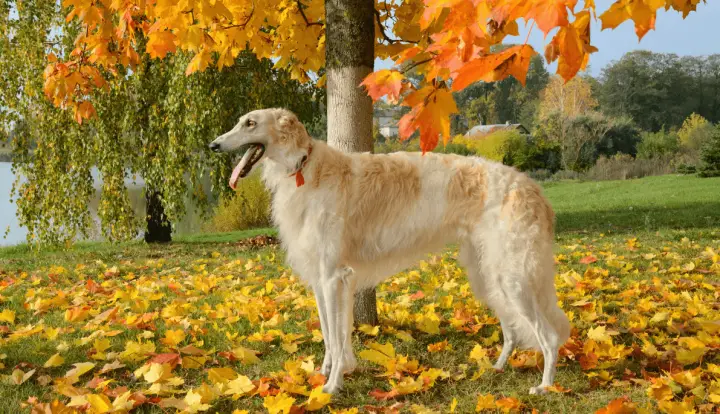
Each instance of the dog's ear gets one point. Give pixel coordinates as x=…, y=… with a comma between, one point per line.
x=288, y=121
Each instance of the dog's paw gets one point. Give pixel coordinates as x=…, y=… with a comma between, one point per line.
x=539, y=390
x=331, y=388
x=499, y=370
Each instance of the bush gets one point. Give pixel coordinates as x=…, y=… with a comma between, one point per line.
x=658, y=145
x=248, y=208
x=710, y=166
x=623, y=166
x=528, y=154
x=622, y=137
x=491, y=146
x=540, y=175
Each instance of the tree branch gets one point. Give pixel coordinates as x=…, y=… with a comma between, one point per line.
x=385, y=36
x=302, y=13
x=415, y=64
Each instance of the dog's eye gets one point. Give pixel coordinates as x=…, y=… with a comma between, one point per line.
x=250, y=123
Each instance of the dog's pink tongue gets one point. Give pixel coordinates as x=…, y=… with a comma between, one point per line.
x=240, y=166
x=235, y=175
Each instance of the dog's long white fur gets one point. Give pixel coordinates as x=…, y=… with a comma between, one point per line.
x=360, y=218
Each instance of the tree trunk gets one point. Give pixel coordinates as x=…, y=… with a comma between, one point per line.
x=349, y=57
x=158, y=227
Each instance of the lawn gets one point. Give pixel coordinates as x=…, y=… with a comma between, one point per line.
x=206, y=323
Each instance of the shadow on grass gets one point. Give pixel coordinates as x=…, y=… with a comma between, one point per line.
x=689, y=216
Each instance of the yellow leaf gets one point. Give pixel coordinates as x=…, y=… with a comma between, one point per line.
x=100, y=403
x=80, y=369
x=369, y=330
x=485, y=402
x=18, y=376
x=317, y=399
x=7, y=316
x=54, y=361
x=199, y=62
x=239, y=386
x=280, y=403
x=157, y=373
x=221, y=375
x=245, y=355
x=172, y=338
x=598, y=334
x=194, y=402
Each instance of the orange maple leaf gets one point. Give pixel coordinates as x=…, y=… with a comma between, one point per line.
x=549, y=14
x=621, y=405
x=511, y=61
x=384, y=82
x=160, y=44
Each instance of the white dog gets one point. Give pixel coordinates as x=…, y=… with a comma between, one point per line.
x=349, y=221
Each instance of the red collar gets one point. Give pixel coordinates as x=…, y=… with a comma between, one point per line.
x=299, y=179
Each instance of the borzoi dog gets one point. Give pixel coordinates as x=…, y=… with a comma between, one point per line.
x=349, y=221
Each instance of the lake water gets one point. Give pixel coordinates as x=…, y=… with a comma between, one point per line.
x=15, y=234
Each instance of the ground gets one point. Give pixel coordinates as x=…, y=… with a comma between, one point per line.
x=206, y=323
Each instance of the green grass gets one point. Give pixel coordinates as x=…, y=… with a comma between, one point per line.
x=671, y=212
x=651, y=203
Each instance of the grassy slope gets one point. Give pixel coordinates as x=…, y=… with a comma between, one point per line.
x=584, y=210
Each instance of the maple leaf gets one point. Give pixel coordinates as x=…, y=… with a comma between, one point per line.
x=173, y=337
x=8, y=316
x=280, y=403
x=100, y=403
x=160, y=43
x=317, y=399
x=384, y=82
x=199, y=62
x=431, y=118
x=485, y=402
x=549, y=14
x=508, y=404
x=221, y=375
x=239, y=386
x=513, y=61
x=54, y=361
x=19, y=376
x=621, y=405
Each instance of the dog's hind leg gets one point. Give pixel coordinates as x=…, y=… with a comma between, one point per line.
x=530, y=316
x=471, y=259
x=338, y=292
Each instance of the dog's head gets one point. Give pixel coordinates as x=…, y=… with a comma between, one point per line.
x=276, y=134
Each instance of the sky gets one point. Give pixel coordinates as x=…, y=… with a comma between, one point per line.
x=698, y=34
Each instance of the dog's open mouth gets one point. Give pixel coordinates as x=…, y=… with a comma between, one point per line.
x=251, y=157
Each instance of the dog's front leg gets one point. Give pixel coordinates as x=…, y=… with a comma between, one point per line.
x=324, y=328
x=338, y=292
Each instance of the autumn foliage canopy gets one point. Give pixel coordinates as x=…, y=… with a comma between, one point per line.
x=450, y=42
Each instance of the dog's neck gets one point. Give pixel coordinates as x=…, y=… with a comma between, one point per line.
x=299, y=178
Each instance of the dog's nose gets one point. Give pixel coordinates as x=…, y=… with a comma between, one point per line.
x=214, y=146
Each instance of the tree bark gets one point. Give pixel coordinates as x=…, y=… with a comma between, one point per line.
x=158, y=227
x=349, y=57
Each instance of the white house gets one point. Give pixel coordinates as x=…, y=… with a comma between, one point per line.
x=386, y=122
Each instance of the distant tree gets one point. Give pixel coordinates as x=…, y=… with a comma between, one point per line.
x=658, y=144
x=695, y=132
x=570, y=99
x=660, y=90
x=710, y=157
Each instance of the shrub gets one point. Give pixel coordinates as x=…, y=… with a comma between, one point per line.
x=622, y=137
x=491, y=146
x=658, y=144
x=623, y=166
x=540, y=175
x=527, y=154
x=710, y=166
x=248, y=208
